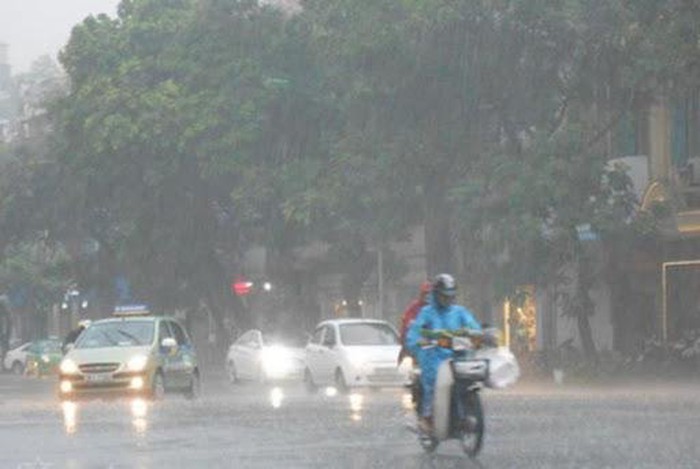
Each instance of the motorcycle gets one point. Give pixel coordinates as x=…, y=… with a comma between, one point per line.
x=457, y=409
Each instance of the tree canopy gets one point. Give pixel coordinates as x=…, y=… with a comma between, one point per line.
x=195, y=128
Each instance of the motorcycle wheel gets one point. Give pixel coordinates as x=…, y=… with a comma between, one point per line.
x=428, y=443
x=472, y=435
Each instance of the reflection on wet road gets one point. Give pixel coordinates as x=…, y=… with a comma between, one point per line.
x=282, y=426
x=137, y=406
x=70, y=411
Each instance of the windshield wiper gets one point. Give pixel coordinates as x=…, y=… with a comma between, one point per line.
x=129, y=336
x=109, y=338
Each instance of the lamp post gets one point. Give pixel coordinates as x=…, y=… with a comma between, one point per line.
x=73, y=305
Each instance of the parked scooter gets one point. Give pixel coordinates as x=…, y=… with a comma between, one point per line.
x=457, y=409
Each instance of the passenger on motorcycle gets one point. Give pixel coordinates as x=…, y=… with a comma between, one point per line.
x=410, y=314
x=439, y=314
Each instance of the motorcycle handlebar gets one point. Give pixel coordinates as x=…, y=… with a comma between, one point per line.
x=434, y=337
x=449, y=333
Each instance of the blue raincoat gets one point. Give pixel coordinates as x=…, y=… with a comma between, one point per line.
x=435, y=317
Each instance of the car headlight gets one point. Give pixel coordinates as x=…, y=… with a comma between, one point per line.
x=137, y=363
x=69, y=367
x=276, y=361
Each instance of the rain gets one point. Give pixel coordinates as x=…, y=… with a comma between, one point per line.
x=352, y=234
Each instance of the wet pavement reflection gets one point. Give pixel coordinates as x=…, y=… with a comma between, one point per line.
x=70, y=413
x=255, y=426
x=138, y=408
x=276, y=397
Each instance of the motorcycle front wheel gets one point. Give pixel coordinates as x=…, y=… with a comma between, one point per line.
x=472, y=435
x=428, y=443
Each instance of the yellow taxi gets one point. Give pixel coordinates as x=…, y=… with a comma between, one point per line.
x=132, y=353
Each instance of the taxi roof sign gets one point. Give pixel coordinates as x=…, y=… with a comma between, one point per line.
x=131, y=310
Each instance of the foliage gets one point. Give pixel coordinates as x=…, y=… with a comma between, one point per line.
x=194, y=129
x=38, y=269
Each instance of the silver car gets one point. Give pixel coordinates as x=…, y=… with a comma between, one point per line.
x=16, y=359
x=255, y=356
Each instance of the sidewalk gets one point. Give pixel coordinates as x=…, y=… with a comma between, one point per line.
x=624, y=385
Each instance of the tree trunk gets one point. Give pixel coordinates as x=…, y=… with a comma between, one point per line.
x=5, y=330
x=586, y=336
x=438, y=239
x=585, y=307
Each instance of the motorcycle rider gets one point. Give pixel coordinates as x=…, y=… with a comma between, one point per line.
x=73, y=335
x=439, y=314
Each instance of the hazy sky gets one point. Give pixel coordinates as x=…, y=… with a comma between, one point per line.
x=33, y=28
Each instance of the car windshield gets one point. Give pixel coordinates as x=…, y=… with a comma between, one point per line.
x=46, y=347
x=368, y=334
x=117, y=334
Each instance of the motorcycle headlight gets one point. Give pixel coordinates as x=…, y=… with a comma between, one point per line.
x=137, y=363
x=69, y=367
x=406, y=365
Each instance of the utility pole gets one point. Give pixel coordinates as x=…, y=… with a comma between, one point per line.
x=380, y=280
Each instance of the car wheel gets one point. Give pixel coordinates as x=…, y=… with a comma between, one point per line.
x=158, y=387
x=309, y=384
x=17, y=368
x=340, y=384
x=231, y=372
x=195, y=388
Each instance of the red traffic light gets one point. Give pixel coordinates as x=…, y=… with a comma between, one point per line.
x=241, y=287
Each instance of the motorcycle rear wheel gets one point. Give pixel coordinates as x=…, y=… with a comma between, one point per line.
x=472, y=436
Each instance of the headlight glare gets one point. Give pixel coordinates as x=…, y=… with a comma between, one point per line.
x=406, y=364
x=137, y=363
x=276, y=361
x=69, y=367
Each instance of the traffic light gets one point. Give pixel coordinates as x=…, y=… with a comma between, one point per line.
x=241, y=287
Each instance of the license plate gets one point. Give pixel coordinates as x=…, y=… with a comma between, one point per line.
x=98, y=378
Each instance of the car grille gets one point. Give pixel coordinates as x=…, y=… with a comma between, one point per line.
x=111, y=385
x=98, y=367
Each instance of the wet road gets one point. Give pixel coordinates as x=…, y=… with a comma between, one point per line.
x=634, y=426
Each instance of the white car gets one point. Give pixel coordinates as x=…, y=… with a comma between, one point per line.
x=16, y=359
x=348, y=353
x=254, y=357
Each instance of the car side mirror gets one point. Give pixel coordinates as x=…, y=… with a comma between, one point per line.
x=168, y=343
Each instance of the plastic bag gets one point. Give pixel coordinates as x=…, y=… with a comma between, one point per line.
x=503, y=367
